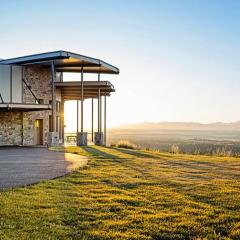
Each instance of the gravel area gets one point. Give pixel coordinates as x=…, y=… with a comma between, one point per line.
x=21, y=166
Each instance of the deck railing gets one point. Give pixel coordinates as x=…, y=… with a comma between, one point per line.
x=71, y=138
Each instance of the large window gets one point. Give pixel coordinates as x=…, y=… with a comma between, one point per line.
x=16, y=84
x=5, y=75
x=11, y=83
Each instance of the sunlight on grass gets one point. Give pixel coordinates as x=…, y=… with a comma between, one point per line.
x=129, y=194
x=125, y=144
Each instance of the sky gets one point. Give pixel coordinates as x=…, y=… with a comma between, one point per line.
x=179, y=59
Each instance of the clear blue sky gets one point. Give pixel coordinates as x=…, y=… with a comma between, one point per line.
x=179, y=59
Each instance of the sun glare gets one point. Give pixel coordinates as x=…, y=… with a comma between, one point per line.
x=70, y=117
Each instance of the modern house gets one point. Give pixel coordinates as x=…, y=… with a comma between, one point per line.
x=33, y=92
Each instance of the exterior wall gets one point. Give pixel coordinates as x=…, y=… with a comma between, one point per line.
x=15, y=124
x=39, y=78
x=11, y=128
x=28, y=126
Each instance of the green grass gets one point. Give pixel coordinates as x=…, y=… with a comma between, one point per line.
x=129, y=194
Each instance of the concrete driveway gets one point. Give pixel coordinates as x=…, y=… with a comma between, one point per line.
x=24, y=166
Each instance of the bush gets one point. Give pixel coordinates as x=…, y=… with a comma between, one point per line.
x=125, y=144
x=175, y=149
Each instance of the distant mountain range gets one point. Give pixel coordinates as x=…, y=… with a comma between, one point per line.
x=182, y=126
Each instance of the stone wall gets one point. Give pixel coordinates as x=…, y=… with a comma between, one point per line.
x=14, y=124
x=39, y=78
x=10, y=128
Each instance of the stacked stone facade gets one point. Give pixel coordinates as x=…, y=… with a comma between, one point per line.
x=11, y=128
x=17, y=128
x=39, y=79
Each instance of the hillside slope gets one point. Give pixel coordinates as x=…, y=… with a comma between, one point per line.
x=129, y=194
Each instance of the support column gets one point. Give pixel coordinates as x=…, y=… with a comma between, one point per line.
x=77, y=117
x=53, y=137
x=82, y=136
x=105, y=120
x=100, y=114
x=98, y=140
x=82, y=98
x=22, y=130
x=62, y=119
x=99, y=99
x=53, y=97
x=92, y=120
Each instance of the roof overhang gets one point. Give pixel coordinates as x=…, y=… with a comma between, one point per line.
x=24, y=107
x=72, y=90
x=65, y=62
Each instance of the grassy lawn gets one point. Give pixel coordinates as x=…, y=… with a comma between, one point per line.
x=129, y=194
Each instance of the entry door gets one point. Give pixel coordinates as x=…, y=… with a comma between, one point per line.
x=38, y=132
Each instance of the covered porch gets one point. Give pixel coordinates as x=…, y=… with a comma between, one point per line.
x=84, y=89
x=95, y=91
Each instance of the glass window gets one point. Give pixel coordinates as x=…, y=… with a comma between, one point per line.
x=16, y=84
x=5, y=83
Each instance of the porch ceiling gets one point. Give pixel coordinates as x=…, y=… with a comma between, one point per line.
x=72, y=90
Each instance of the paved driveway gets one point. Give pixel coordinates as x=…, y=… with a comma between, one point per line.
x=23, y=166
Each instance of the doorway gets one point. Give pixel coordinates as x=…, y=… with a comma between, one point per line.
x=38, y=132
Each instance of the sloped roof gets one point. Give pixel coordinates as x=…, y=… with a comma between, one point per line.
x=65, y=61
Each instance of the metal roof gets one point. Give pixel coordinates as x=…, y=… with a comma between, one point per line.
x=65, y=62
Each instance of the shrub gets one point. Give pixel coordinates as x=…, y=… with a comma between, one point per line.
x=175, y=149
x=125, y=144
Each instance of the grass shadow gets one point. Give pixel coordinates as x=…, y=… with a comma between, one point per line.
x=92, y=151
x=136, y=153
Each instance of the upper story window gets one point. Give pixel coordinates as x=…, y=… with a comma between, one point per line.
x=11, y=83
